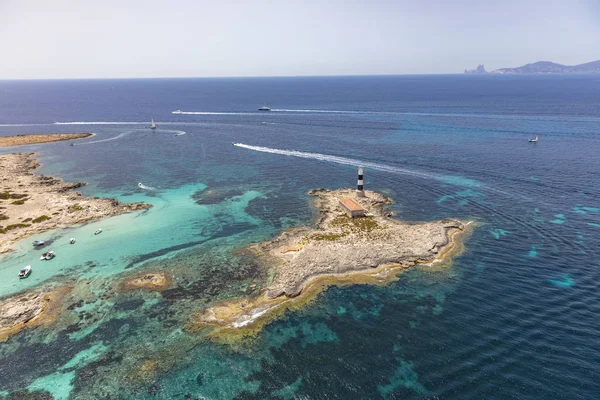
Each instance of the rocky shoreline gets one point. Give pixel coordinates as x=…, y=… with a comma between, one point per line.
x=30, y=204
x=338, y=250
x=34, y=138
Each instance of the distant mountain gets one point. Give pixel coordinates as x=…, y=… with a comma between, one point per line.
x=479, y=70
x=548, y=67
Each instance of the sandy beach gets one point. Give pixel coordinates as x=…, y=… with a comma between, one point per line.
x=30, y=203
x=20, y=140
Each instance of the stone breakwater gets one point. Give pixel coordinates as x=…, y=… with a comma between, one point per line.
x=30, y=204
x=338, y=250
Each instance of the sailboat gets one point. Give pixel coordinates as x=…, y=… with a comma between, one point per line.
x=152, y=124
x=534, y=140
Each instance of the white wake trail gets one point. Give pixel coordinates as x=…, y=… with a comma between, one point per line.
x=99, y=123
x=142, y=186
x=211, y=113
x=340, y=160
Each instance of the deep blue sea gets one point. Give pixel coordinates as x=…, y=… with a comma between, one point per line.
x=516, y=315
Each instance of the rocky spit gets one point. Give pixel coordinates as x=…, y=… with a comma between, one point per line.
x=338, y=250
x=20, y=140
x=30, y=203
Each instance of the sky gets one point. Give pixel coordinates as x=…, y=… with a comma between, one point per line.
x=54, y=39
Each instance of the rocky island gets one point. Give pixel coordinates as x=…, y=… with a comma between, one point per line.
x=30, y=204
x=369, y=248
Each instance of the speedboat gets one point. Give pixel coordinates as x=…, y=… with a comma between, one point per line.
x=98, y=231
x=177, y=112
x=25, y=272
x=140, y=185
x=264, y=108
x=38, y=243
x=72, y=240
x=233, y=143
x=49, y=255
x=534, y=140
x=180, y=134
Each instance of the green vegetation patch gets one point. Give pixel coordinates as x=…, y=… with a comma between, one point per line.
x=356, y=225
x=41, y=218
x=19, y=202
x=3, y=217
x=328, y=236
x=15, y=226
x=8, y=195
x=75, y=207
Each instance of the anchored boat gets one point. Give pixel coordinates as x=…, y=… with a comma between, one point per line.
x=38, y=243
x=534, y=140
x=25, y=272
x=49, y=255
x=98, y=231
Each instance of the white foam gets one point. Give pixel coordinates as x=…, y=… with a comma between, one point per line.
x=100, y=123
x=340, y=160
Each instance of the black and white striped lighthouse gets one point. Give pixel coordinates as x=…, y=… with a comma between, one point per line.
x=359, y=188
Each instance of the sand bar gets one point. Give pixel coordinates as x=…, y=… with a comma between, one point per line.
x=20, y=140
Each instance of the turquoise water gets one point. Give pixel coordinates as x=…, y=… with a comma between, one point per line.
x=514, y=316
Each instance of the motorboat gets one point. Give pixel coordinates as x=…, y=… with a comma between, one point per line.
x=98, y=231
x=72, y=240
x=534, y=140
x=180, y=134
x=38, y=243
x=25, y=272
x=177, y=112
x=49, y=255
x=264, y=108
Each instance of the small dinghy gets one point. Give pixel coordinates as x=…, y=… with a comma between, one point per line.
x=98, y=231
x=25, y=272
x=72, y=240
x=534, y=140
x=38, y=243
x=49, y=255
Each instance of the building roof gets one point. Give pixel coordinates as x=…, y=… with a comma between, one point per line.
x=351, y=205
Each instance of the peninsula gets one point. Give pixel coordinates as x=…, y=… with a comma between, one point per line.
x=30, y=204
x=369, y=248
x=20, y=140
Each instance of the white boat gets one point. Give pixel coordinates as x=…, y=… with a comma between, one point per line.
x=177, y=112
x=264, y=108
x=180, y=133
x=98, y=231
x=38, y=243
x=72, y=240
x=152, y=124
x=49, y=255
x=534, y=140
x=24, y=273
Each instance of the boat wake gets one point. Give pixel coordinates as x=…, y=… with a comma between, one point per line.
x=319, y=111
x=343, y=161
x=103, y=140
x=142, y=186
x=211, y=113
x=100, y=123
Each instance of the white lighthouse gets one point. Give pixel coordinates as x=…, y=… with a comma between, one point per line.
x=359, y=188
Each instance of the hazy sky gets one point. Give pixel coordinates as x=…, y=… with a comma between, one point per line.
x=159, y=38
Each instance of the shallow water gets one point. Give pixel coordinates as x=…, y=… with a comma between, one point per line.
x=513, y=316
